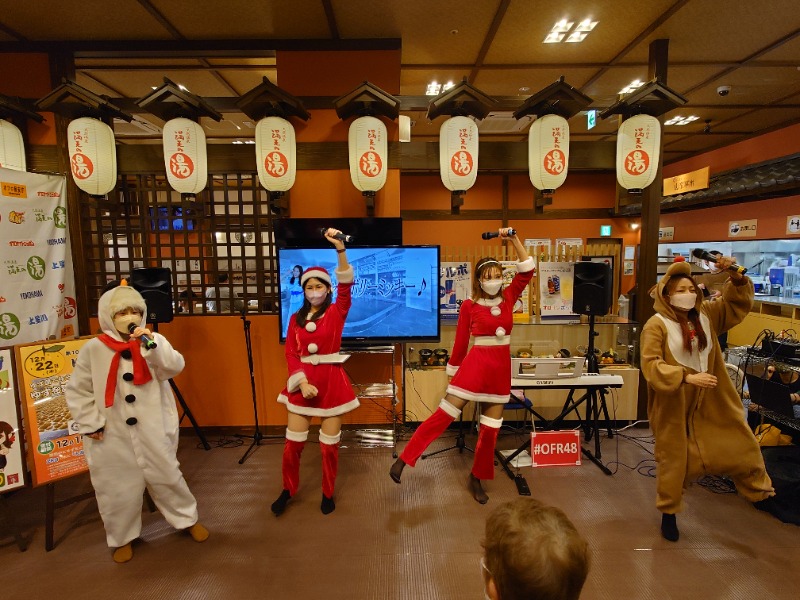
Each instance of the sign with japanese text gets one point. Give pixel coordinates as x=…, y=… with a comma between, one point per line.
x=12, y=465
x=43, y=370
x=276, y=154
x=92, y=155
x=455, y=286
x=666, y=234
x=458, y=153
x=37, y=296
x=555, y=448
x=638, y=148
x=740, y=229
x=368, y=146
x=548, y=152
x=688, y=182
x=185, y=155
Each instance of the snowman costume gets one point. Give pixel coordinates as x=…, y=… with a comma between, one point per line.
x=122, y=388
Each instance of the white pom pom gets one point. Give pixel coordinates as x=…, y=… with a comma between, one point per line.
x=500, y=332
x=311, y=327
x=312, y=348
x=495, y=311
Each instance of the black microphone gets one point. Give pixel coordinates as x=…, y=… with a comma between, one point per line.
x=712, y=258
x=487, y=235
x=339, y=236
x=148, y=343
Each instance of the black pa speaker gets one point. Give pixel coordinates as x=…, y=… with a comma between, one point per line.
x=155, y=286
x=591, y=293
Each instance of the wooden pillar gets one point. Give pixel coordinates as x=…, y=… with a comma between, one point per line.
x=62, y=65
x=646, y=273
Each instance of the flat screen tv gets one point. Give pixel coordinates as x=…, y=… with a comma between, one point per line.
x=395, y=292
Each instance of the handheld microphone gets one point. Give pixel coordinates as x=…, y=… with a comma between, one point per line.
x=148, y=343
x=342, y=237
x=487, y=235
x=705, y=255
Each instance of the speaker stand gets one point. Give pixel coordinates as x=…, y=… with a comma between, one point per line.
x=186, y=411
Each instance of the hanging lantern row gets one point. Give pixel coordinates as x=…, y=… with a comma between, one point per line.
x=548, y=152
x=458, y=153
x=638, y=147
x=185, y=155
x=12, y=147
x=368, y=147
x=92, y=155
x=276, y=154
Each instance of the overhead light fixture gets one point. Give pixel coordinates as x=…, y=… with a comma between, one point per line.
x=433, y=89
x=447, y=86
x=678, y=120
x=559, y=31
x=182, y=87
x=633, y=85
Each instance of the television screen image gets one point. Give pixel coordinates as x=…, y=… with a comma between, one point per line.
x=171, y=218
x=395, y=291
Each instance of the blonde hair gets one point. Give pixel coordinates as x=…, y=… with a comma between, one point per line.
x=533, y=551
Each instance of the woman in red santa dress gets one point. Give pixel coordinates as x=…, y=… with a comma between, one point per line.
x=317, y=384
x=482, y=373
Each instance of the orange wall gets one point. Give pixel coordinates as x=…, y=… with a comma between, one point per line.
x=28, y=76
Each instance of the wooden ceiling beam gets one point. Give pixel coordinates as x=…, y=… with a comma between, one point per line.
x=487, y=41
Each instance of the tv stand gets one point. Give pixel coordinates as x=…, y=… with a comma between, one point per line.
x=376, y=390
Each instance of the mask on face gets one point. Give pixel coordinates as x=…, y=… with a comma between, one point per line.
x=491, y=286
x=316, y=298
x=122, y=322
x=685, y=301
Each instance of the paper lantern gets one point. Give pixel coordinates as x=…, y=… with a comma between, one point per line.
x=12, y=147
x=367, y=142
x=548, y=152
x=638, y=147
x=92, y=155
x=458, y=153
x=276, y=154
x=185, y=156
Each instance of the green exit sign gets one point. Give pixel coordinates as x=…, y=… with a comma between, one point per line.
x=605, y=230
x=591, y=119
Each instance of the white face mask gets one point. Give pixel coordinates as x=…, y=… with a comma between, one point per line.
x=491, y=286
x=316, y=298
x=122, y=322
x=684, y=301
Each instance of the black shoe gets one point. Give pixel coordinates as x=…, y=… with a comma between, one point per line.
x=476, y=488
x=280, y=504
x=669, y=527
x=397, y=470
x=327, y=506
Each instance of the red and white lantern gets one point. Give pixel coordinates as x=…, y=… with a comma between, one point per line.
x=92, y=155
x=548, y=152
x=638, y=147
x=276, y=154
x=12, y=147
x=367, y=142
x=458, y=153
x=185, y=155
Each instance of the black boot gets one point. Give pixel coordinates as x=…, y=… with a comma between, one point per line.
x=280, y=504
x=327, y=506
x=476, y=488
x=669, y=527
x=397, y=470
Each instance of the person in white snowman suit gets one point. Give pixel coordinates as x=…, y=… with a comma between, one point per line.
x=120, y=399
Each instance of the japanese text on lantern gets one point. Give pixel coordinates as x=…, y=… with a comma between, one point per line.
x=370, y=163
x=554, y=160
x=276, y=163
x=637, y=161
x=81, y=165
x=179, y=163
x=461, y=163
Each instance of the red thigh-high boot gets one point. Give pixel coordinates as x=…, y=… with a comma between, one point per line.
x=483, y=465
x=290, y=468
x=430, y=429
x=329, y=445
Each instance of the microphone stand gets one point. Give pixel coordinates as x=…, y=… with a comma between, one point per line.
x=257, y=436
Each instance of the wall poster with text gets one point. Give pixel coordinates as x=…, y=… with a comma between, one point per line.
x=455, y=286
x=556, y=281
x=43, y=371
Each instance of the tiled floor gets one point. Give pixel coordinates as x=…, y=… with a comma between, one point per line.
x=419, y=540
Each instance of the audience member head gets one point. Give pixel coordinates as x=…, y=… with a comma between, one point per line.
x=533, y=552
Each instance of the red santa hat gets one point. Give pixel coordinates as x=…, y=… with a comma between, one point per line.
x=317, y=272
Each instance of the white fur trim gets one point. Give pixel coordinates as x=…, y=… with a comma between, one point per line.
x=526, y=265
x=346, y=276
x=312, y=348
x=308, y=411
x=489, y=301
x=311, y=327
x=473, y=397
x=500, y=332
x=296, y=436
x=330, y=440
x=316, y=274
x=495, y=311
x=449, y=408
x=698, y=360
x=488, y=340
x=294, y=381
x=451, y=370
x=490, y=422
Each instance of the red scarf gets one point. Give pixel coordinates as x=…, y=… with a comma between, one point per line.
x=141, y=372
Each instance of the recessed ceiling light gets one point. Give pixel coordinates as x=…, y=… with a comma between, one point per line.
x=433, y=89
x=678, y=120
x=454, y=32
x=182, y=87
x=577, y=36
x=524, y=90
x=635, y=84
x=562, y=26
x=447, y=86
x=554, y=37
x=586, y=25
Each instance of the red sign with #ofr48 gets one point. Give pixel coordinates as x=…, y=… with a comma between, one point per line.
x=555, y=448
